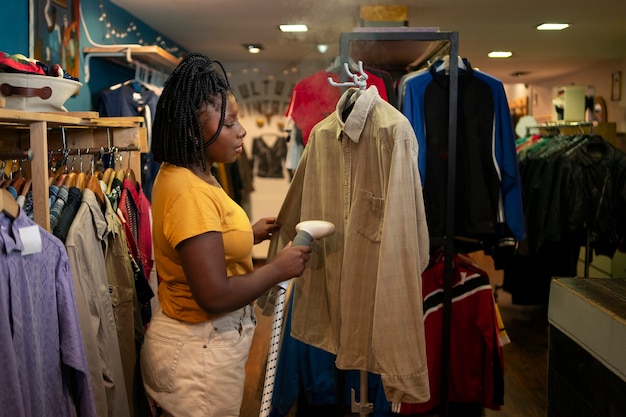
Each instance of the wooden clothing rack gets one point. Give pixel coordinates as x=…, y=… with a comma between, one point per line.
x=31, y=134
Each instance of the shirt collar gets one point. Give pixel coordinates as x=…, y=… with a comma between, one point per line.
x=99, y=219
x=9, y=232
x=355, y=123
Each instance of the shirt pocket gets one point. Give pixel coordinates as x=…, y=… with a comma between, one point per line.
x=368, y=215
x=122, y=303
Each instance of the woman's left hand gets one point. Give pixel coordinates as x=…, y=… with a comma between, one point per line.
x=264, y=228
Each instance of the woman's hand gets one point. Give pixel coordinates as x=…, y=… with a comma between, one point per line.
x=264, y=228
x=291, y=260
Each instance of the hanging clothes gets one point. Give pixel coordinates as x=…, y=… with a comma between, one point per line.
x=88, y=241
x=360, y=173
x=304, y=371
x=127, y=100
x=268, y=160
x=294, y=149
x=136, y=211
x=574, y=188
x=131, y=99
x=488, y=190
x=313, y=99
x=68, y=213
x=476, y=356
x=42, y=355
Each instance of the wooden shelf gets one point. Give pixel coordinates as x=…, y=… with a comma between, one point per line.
x=153, y=57
x=40, y=131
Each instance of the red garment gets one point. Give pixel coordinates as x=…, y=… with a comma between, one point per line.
x=9, y=64
x=476, y=357
x=313, y=98
x=136, y=210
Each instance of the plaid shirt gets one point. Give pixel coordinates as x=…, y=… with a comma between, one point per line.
x=360, y=295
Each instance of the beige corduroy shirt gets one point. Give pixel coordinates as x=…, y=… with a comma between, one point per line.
x=360, y=296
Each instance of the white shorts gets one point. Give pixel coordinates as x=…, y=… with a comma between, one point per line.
x=197, y=369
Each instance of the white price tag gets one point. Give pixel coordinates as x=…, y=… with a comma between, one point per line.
x=31, y=239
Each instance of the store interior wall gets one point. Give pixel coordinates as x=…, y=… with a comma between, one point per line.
x=14, y=30
x=540, y=94
x=14, y=38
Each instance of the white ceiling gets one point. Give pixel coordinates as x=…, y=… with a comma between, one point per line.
x=219, y=28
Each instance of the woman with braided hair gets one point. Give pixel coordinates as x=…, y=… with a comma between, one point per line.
x=195, y=349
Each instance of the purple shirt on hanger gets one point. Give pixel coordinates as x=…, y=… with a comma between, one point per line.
x=41, y=352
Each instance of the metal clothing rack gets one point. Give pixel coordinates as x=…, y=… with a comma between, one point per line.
x=26, y=155
x=555, y=128
x=363, y=407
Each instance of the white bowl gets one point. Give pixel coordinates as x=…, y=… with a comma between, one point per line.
x=34, y=92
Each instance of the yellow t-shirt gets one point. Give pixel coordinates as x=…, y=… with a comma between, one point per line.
x=184, y=206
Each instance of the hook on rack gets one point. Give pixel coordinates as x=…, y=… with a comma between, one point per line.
x=80, y=161
x=358, y=80
x=63, y=137
x=109, y=138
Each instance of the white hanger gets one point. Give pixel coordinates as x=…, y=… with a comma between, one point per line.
x=358, y=80
x=144, y=77
x=445, y=64
x=336, y=64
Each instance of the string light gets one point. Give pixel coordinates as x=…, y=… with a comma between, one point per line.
x=113, y=33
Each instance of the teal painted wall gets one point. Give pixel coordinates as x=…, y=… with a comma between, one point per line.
x=14, y=27
x=14, y=39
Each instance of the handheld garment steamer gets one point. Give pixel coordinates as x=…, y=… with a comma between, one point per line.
x=306, y=233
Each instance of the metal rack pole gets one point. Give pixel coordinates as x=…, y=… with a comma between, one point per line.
x=448, y=239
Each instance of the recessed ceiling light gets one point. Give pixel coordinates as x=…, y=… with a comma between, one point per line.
x=253, y=48
x=293, y=28
x=499, y=54
x=552, y=26
x=322, y=48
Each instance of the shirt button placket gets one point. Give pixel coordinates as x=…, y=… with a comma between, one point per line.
x=347, y=169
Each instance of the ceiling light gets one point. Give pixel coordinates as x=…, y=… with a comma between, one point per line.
x=552, y=26
x=322, y=48
x=253, y=48
x=499, y=54
x=293, y=28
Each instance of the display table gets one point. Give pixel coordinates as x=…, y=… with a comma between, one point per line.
x=587, y=356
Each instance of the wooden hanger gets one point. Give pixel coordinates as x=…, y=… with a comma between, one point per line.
x=7, y=169
x=60, y=179
x=8, y=205
x=70, y=180
x=120, y=174
x=94, y=185
x=26, y=188
x=112, y=176
x=107, y=175
x=130, y=175
x=18, y=183
x=81, y=180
